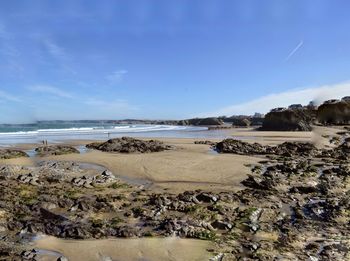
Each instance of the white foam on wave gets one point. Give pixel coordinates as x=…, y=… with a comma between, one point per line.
x=93, y=130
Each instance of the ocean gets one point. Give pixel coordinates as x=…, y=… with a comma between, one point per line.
x=62, y=131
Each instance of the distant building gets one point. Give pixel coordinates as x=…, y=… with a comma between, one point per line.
x=295, y=106
x=278, y=109
x=346, y=99
x=331, y=101
x=258, y=115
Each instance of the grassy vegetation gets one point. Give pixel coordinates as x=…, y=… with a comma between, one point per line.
x=207, y=235
x=72, y=193
x=28, y=194
x=137, y=211
x=114, y=222
x=191, y=209
x=117, y=185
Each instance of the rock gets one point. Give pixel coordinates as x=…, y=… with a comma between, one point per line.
x=130, y=145
x=62, y=258
x=46, y=214
x=257, y=183
x=12, y=153
x=55, y=150
x=29, y=254
x=239, y=147
x=202, y=122
x=223, y=225
x=29, y=179
x=128, y=231
x=287, y=149
x=205, y=197
x=287, y=120
x=304, y=189
x=293, y=149
x=48, y=205
x=241, y=122
x=75, y=231
x=205, y=142
x=334, y=112
x=341, y=152
x=105, y=178
x=335, y=251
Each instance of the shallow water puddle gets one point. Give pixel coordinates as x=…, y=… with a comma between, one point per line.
x=31, y=153
x=82, y=149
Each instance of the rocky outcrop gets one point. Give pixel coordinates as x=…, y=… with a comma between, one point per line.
x=241, y=122
x=244, y=120
x=334, y=112
x=130, y=145
x=281, y=119
x=239, y=147
x=55, y=150
x=205, y=142
x=12, y=153
x=202, y=122
x=287, y=149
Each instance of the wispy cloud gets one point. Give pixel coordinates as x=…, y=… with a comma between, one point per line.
x=116, y=76
x=59, y=54
x=50, y=90
x=283, y=99
x=110, y=104
x=3, y=32
x=300, y=44
x=55, y=50
x=6, y=47
x=9, y=97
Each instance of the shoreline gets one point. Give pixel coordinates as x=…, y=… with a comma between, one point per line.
x=93, y=199
x=189, y=166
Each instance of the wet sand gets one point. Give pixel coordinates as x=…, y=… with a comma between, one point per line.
x=188, y=167
x=144, y=249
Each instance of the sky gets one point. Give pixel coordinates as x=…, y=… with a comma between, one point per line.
x=157, y=59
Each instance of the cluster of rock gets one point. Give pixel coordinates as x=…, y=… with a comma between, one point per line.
x=201, y=121
x=287, y=120
x=106, y=177
x=12, y=153
x=130, y=145
x=29, y=178
x=55, y=150
x=334, y=112
x=205, y=142
x=244, y=120
x=284, y=149
x=300, y=118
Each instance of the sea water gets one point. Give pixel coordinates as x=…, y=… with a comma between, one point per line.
x=63, y=131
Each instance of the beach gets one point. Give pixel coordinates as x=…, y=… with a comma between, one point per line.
x=195, y=175
x=189, y=166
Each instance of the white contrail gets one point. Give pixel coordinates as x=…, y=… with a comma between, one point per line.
x=295, y=50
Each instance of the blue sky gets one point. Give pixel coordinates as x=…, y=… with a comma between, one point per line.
x=168, y=59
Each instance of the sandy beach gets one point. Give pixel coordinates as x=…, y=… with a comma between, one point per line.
x=187, y=167
x=174, y=249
